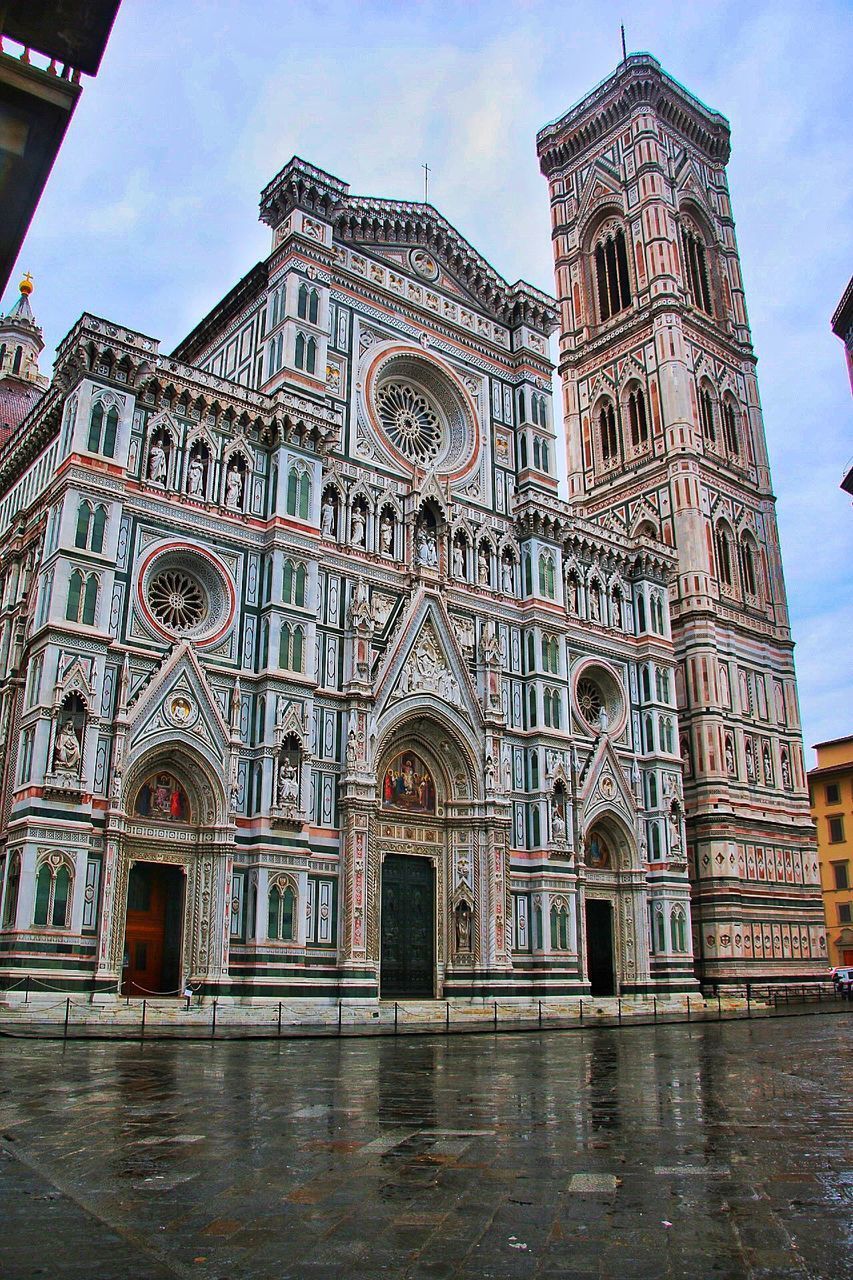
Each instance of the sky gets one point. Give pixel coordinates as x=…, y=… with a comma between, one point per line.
x=150, y=213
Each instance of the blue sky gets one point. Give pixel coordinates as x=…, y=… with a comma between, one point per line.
x=150, y=213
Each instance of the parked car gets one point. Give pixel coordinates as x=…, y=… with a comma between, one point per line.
x=842, y=978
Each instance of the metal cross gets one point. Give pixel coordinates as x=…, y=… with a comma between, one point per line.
x=427, y=172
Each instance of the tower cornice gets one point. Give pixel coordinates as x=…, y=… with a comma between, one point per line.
x=639, y=81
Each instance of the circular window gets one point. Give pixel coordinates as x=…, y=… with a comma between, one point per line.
x=590, y=700
x=185, y=592
x=420, y=412
x=177, y=600
x=409, y=420
x=599, y=699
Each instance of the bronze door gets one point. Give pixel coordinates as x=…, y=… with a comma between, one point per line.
x=408, y=927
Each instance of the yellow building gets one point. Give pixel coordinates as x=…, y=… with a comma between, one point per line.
x=831, y=794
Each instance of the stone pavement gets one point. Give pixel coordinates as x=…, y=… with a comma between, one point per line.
x=702, y=1151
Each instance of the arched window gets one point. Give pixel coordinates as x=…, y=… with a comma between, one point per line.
x=13, y=885
x=53, y=896
x=304, y=495
x=730, y=431
x=523, y=451
x=637, y=418
x=546, y=575
x=293, y=583
x=654, y=841
x=308, y=304
x=306, y=353
x=302, y=304
x=537, y=459
x=84, y=516
x=611, y=275
x=706, y=413
x=666, y=735
x=531, y=707
x=678, y=929
x=99, y=524
x=607, y=432
x=556, y=713
x=103, y=427
x=657, y=614
x=90, y=600
x=724, y=556
x=546, y=465
x=648, y=726
x=110, y=432
x=299, y=354
x=75, y=594
x=546, y=706
x=96, y=426
x=264, y=648
x=660, y=930
x=747, y=565
x=559, y=926
x=641, y=613
x=696, y=269
x=282, y=913
x=646, y=685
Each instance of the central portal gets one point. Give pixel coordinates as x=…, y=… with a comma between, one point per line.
x=408, y=926
x=599, y=947
x=152, y=938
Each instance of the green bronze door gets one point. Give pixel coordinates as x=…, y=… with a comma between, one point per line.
x=408, y=926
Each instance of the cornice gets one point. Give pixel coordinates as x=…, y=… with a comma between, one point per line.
x=638, y=82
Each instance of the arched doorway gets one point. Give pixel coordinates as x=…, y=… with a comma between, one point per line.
x=602, y=868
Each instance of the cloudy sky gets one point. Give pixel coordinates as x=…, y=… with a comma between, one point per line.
x=150, y=213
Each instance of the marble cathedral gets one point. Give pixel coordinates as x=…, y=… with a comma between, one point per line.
x=313, y=686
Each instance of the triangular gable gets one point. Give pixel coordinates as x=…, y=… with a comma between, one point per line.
x=426, y=663
x=602, y=183
x=177, y=703
x=603, y=786
x=444, y=281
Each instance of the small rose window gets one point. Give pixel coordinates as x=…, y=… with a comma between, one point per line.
x=177, y=600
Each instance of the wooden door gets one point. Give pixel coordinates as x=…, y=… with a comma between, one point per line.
x=152, y=932
x=408, y=927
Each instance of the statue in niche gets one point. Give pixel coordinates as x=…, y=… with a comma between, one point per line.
x=233, y=488
x=288, y=785
x=730, y=756
x=195, y=477
x=685, y=755
x=358, y=527
x=327, y=517
x=386, y=535
x=675, y=826
x=483, y=566
x=361, y=612
x=616, y=610
x=427, y=552
x=66, y=750
x=462, y=921
x=352, y=747
x=157, y=463
x=594, y=603
x=750, y=761
x=603, y=720
x=558, y=820
x=768, y=765
x=490, y=773
x=506, y=577
x=458, y=560
x=573, y=594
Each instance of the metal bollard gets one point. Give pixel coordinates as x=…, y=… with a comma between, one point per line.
x=27, y=990
x=748, y=1000
x=496, y=1015
x=719, y=1006
x=540, y=1013
x=279, y=1017
x=655, y=1007
x=142, y=1026
x=67, y=1009
x=580, y=1007
x=213, y=1023
x=395, y=1017
x=341, y=1014
x=619, y=1010
x=688, y=1008
x=447, y=1015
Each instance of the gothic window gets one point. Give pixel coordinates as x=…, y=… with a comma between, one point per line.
x=282, y=913
x=546, y=575
x=654, y=841
x=550, y=654
x=611, y=275
x=553, y=714
x=306, y=353
x=53, y=895
x=641, y=613
x=666, y=735
x=298, y=493
x=308, y=304
x=537, y=456
x=678, y=929
x=657, y=613
x=103, y=426
x=523, y=451
x=747, y=564
x=275, y=355
x=637, y=419
x=730, y=431
x=82, y=598
x=649, y=733
x=13, y=884
x=89, y=535
x=546, y=705
x=531, y=706
x=646, y=683
x=662, y=684
x=293, y=584
x=264, y=646
x=660, y=929
x=696, y=269
x=546, y=464
x=724, y=556
x=291, y=648
x=706, y=413
x=607, y=436
x=559, y=926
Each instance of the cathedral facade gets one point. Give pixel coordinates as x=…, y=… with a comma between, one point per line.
x=312, y=684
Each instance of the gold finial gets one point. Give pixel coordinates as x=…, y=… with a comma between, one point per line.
x=26, y=286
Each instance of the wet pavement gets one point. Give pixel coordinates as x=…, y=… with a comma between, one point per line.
x=702, y=1151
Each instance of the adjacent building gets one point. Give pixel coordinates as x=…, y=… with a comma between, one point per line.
x=311, y=684
x=831, y=793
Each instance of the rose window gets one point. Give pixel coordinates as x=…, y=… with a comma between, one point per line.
x=409, y=421
x=176, y=600
x=590, y=700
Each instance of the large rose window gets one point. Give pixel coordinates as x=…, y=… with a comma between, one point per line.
x=177, y=599
x=409, y=420
x=185, y=593
x=420, y=411
x=599, y=698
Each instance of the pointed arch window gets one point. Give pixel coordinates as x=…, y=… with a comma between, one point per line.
x=678, y=929
x=696, y=269
x=607, y=431
x=747, y=564
x=308, y=304
x=291, y=649
x=298, y=493
x=103, y=428
x=282, y=913
x=730, y=431
x=13, y=885
x=706, y=413
x=611, y=275
x=559, y=926
x=546, y=575
x=84, y=516
x=53, y=896
x=724, y=556
x=89, y=535
x=306, y=353
x=637, y=418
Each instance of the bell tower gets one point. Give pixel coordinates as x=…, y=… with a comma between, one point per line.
x=665, y=441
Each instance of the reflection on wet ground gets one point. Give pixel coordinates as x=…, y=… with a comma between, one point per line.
x=702, y=1151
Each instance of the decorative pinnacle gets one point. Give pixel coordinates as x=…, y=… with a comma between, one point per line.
x=26, y=286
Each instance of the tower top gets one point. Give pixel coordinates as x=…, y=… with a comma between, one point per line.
x=638, y=81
